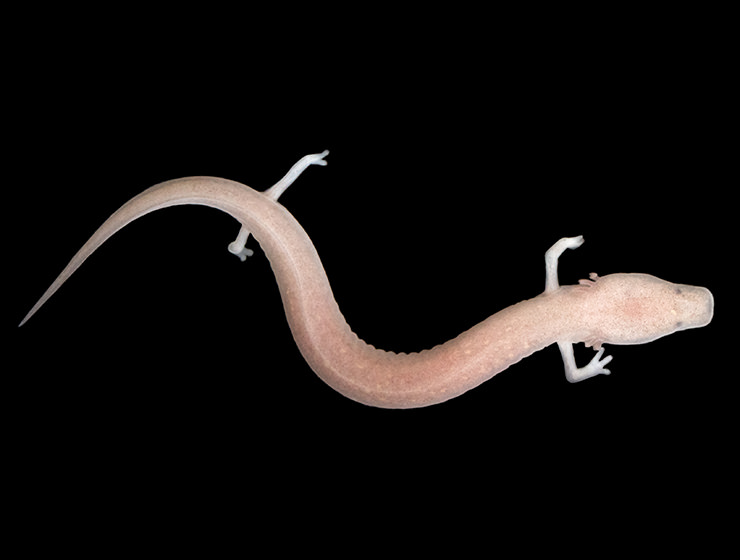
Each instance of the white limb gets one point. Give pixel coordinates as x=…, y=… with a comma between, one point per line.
x=278, y=188
x=575, y=374
x=237, y=247
x=551, y=260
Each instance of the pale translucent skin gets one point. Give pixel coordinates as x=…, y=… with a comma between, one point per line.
x=614, y=309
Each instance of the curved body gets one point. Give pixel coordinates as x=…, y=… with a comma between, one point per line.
x=361, y=372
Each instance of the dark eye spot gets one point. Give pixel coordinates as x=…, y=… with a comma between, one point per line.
x=679, y=324
x=679, y=291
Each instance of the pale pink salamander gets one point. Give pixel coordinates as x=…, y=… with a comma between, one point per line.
x=614, y=309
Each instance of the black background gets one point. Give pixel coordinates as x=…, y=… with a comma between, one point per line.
x=164, y=373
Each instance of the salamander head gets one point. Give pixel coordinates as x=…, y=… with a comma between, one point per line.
x=638, y=308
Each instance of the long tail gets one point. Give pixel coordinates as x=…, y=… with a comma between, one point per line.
x=170, y=193
x=128, y=212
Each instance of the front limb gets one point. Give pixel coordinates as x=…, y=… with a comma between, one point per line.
x=572, y=372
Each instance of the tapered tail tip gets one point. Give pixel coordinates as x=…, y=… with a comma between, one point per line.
x=30, y=314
